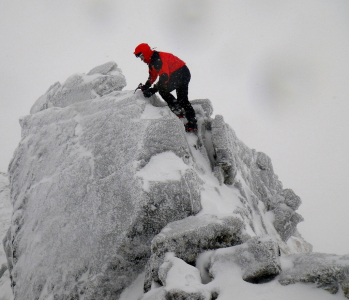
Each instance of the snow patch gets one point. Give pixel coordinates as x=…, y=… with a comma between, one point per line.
x=162, y=167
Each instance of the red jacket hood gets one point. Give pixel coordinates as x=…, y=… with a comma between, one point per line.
x=145, y=50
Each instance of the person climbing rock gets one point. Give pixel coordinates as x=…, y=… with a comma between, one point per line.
x=173, y=75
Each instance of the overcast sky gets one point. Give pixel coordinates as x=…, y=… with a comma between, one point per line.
x=276, y=70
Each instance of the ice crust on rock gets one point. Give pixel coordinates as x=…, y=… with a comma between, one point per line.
x=82, y=222
x=191, y=236
x=94, y=207
x=181, y=280
x=100, y=81
x=258, y=259
x=5, y=220
x=328, y=271
x=5, y=213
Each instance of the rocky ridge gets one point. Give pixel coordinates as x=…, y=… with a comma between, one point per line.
x=106, y=186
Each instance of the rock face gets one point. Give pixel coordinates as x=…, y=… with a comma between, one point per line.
x=84, y=214
x=105, y=183
x=258, y=259
x=100, y=81
x=189, y=237
x=5, y=212
x=327, y=271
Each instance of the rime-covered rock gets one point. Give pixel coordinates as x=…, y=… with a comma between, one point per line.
x=258, y=259
x=100, y=172
x=88, y=194
x=252, y=173
x=181, y=280
x=328, y=271
x=191, y=236
x=100, y=81
x=5, y=252
x=283, y=205
x=5, y=211
x=286, y=220
x=233, y=156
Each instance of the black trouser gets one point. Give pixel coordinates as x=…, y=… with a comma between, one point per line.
x=179, y=81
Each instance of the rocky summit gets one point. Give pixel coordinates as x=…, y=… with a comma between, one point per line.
x=112, y=199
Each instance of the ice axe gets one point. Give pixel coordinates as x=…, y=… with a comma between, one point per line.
x=139, y=87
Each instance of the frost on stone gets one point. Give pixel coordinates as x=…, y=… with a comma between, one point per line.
x=181, y=280
x=252, y=173
x=327, y=271
x=5, y=211
x=100, y=81
x=105, y=182
x=297, y=244
x=105, y=69
x=189, y=237
x=258, y=259
x=224, y=148
x=286, y=220
x=203, y=107
x=83, y=219
x=232, y=157
x=283, y=205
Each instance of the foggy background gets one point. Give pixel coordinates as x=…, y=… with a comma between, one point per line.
x=276, y=70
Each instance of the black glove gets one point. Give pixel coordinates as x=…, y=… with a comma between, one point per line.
x=145, y=86
x=149, y=92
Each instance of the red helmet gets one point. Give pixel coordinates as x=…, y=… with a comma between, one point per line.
x=145, y=50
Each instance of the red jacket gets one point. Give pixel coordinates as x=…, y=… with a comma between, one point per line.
x=160, y=63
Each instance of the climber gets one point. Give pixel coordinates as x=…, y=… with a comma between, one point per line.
x=173, y=75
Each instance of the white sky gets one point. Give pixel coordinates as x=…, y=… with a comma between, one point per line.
x=276, y=70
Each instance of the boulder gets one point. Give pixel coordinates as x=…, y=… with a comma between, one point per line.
x=181, y=280
x=258, y=259
x=100, y=81
x=85, y=209
x=105, y=182
x=328, y=271
x=189, y=237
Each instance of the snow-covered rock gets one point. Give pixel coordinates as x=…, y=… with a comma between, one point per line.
x=191, y=236
x=100, y=172
x=258, y=259
x=5, y=219
x=181, y=280
x=327, y=271
x=100, y=81
x=92, y=184
x=5, y=212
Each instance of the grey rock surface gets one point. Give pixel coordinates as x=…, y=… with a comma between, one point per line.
x=191, y=236
x=89, y=194
x=100, y=81
x=286, y=220
x=258, y=259
x=5, y=211
x=180, y=281
x=83, y=216
x=250, y=171
x=328, y=271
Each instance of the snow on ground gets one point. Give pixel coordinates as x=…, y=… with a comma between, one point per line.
x=228, y=283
